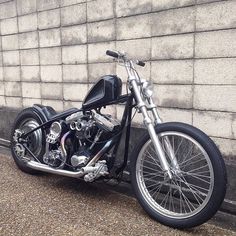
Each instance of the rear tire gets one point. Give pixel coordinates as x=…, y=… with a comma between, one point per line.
x=27, y=120
x=177, y=216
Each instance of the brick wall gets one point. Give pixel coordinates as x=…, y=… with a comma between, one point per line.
x=52, y=51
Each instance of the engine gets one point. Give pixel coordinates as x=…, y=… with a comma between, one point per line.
x=78, y=138
x=80, y=122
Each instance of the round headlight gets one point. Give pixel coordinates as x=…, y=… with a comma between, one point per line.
x=147, y=89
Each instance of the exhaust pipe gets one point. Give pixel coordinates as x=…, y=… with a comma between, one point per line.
x=45, y=168
x=85, y=170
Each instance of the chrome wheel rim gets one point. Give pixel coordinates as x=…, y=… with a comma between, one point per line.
x=34, y=140
x=191, y=187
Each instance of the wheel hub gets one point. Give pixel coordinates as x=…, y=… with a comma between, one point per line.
x=33, y=141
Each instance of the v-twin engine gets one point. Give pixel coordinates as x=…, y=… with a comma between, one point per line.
x=87, y=128
x=78, y=121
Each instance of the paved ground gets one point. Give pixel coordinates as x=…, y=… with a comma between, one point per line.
x=54, y=205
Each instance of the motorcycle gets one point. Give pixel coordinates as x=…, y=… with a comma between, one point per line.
x=177, y=172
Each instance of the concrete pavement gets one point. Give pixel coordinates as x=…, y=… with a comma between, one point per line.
x=54, y=205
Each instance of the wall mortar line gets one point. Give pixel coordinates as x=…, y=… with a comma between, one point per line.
x=62, y=64
x=194, y=40
x=21, y=85
x=39, y=58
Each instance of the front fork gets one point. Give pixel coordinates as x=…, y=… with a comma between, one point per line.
x=167, y=142
x=151, y=130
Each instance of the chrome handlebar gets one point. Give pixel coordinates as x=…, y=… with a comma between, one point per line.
x=119, y=55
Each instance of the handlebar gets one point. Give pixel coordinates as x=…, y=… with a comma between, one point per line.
x=112, y=53
x=140, y=63
x=117, y=55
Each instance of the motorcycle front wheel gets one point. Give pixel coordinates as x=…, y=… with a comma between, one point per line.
x=198, y=184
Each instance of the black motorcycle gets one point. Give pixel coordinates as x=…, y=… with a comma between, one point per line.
x=177, y=172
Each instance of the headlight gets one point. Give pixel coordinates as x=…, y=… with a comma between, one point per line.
x=148, y=88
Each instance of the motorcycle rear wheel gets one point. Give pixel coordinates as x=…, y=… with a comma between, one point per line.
x=198, y=186
x=27, y=120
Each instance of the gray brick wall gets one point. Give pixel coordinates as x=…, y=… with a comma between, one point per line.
x=51, y=52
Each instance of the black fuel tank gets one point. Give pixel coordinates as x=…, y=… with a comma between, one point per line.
x=105, y=91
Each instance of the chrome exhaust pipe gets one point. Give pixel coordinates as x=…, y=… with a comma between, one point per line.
x=85, y=170
x=45, y=168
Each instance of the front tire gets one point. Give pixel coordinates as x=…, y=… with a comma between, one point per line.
x=198, y=186
x=26, y=121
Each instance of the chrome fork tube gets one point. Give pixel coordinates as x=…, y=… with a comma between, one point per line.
x=171, y=153
x=148, y=123
x=167, y=143
x=157, y=119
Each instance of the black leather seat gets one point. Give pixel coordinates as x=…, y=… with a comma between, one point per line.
x=64, y=114
x=51, y=114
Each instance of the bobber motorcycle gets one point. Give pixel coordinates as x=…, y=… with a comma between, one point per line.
x=177, y=172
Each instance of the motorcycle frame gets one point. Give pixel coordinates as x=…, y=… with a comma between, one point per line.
x=143, y=107
x=113, y=142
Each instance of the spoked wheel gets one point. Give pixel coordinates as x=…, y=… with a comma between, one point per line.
x=198, y=184
x=26, y=121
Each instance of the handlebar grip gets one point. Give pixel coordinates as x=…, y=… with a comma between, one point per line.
x=112, y=53
x=141, y=63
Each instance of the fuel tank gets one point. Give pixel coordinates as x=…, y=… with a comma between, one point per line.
x=106, y=90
